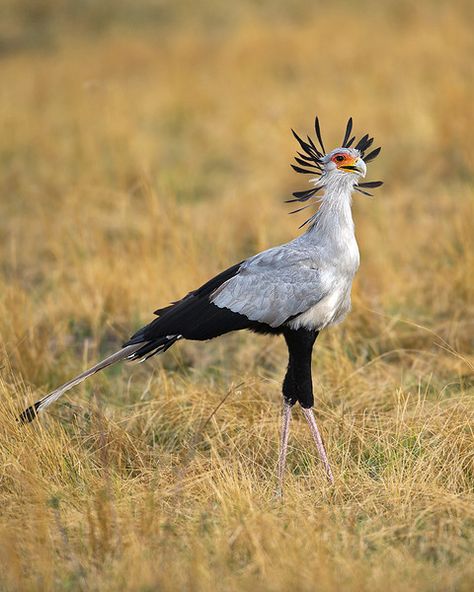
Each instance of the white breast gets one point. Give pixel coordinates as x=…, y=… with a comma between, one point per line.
x=330, y=310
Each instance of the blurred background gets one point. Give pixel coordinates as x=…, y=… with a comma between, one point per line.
x=147, y=144
x=144, y=146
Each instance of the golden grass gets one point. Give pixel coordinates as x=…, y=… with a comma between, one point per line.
x=137, y=162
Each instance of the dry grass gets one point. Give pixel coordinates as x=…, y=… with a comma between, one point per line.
x=139, y=159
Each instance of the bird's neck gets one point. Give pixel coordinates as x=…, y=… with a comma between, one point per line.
x=333, y=219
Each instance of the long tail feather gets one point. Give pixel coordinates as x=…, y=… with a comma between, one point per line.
x=32, y=411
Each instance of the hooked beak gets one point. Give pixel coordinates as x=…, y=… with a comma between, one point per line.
x=359, y=167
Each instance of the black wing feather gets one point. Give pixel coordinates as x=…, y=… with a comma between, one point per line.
x=194, y=316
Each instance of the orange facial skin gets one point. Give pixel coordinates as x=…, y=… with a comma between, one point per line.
x=343, y=160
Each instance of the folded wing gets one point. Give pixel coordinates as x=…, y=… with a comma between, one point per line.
x=272, y=287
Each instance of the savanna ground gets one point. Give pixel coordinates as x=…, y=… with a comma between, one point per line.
x=145, y=147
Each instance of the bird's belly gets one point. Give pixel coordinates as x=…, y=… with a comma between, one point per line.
x=330, y=310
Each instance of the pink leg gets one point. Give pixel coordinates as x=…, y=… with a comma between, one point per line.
x=285, y=431
x=313, y=428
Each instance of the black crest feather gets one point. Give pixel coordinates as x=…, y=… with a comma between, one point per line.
x=372, y=155
x=372, y=184
x=309, y=161
x=318, y=134
x=347, y=135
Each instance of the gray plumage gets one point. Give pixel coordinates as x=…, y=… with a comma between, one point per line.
x=306, y=282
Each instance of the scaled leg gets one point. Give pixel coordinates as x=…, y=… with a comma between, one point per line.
x=309, y=414
x=285, y=431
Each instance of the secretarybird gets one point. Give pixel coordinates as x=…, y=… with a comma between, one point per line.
x=295, y=290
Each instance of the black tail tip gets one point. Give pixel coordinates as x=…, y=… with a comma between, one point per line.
x=29, y=414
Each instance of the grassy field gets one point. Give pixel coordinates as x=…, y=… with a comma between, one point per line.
x=144, y=147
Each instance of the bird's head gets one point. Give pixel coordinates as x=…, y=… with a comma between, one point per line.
x=347, y=163
x=344, y=161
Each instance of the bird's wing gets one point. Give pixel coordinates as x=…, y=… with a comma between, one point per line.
x=274, y=286
x=192, y=317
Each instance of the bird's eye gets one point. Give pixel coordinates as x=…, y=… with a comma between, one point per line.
x=339, y=158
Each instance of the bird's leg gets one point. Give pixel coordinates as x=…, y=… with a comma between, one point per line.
x=313, y=428
x=285, y=431
x=298, y=384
